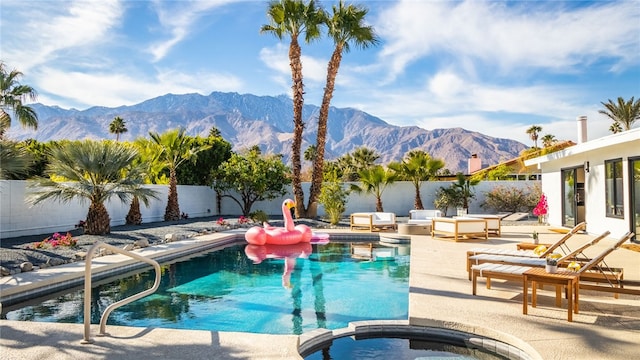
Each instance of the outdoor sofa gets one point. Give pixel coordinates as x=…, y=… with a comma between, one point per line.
x=458, y=228
x=373, y=221
x=423, y=217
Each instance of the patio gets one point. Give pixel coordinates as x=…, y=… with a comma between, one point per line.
x=440, y=295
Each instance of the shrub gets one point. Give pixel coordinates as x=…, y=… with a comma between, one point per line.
x=511, y=199
x=259, y=216
x=333, y=197
x=445, y=198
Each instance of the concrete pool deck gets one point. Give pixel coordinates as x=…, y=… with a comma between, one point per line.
x=440, y=295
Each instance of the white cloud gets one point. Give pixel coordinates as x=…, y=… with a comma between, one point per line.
x=450, y=100
x=446, y=85
x=116, y=89
x=513, y=36
x=277, y=58
x=53, y=27
x=178, y=19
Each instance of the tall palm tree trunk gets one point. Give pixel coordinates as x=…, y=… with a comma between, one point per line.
x=172, y=212
x=318, y=162
x=298, y=124
x=98, y=220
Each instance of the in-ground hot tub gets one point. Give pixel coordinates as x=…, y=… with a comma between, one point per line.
x=398, y=340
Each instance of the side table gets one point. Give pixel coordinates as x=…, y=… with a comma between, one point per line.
x=562, y=277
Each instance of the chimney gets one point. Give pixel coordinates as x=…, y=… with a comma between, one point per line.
x=474, y=164
x=582, y=129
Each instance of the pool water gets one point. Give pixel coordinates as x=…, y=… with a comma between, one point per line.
x=325, y=286
x=399, y=349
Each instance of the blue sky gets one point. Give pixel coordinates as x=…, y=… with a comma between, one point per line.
x=493, y=67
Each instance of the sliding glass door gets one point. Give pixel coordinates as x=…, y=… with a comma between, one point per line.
x=573, y=196
x=634, y=181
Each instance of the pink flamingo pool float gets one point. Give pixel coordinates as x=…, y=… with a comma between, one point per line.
x=289, y=234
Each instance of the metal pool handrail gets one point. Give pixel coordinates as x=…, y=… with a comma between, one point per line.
x=87, y=289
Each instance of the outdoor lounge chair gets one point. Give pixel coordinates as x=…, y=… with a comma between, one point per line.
x=593, y=270
x=560, y=244
x=373, y=221
x=533, y=261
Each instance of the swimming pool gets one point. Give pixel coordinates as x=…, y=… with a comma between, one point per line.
x=224, y=290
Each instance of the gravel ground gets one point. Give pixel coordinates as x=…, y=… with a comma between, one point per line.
x=15, y=251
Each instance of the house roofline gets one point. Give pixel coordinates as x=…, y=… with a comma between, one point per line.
x=599, y=143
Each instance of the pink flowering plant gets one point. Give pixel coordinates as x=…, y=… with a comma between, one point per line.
x=56, y=240
x=542, y=208
x=222, y=222
x=243, y=220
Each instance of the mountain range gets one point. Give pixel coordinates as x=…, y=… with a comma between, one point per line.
x=246, y=120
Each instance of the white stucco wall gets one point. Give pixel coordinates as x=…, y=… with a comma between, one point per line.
x=17, y=218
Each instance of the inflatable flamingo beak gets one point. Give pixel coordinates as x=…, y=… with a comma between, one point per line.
x=291, y=204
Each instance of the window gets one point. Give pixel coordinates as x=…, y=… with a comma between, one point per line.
x=613, y=188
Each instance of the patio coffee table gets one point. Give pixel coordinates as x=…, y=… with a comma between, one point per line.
x=414, y=229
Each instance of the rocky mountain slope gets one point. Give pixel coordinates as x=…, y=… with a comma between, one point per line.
x=247, y=120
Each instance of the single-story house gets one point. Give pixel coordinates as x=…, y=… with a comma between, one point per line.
x=596, y=181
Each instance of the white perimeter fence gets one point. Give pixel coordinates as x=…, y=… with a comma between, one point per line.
x=17, y=218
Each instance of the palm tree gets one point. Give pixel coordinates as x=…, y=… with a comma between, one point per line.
x=417, y=166
x=348, y=165
x=311, y=153
x=174, y=147
x=294, y=18
x=374, y=181
x=118, y=126
x=464, y=189
x=625, y=113
x=364, y=157
x=615, y=127
x=94, y=171
x=215, y=132
x=533, y=134
x=346, y=27
x=12, y=98
x=145, y=159
x=14, y=159
x=548, y=140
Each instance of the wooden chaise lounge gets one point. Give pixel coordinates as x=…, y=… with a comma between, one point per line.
x=479, y=261
x=590, y=272
x=488, y=252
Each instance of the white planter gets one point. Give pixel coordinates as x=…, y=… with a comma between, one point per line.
x=551, y=269
x=461, y=211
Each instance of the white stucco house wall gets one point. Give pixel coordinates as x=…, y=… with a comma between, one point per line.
x=596, y=181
